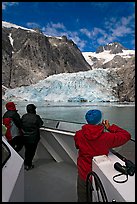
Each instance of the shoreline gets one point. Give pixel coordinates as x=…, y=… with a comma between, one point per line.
x=76, y=104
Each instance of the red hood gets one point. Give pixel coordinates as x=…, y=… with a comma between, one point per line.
x=10, y=106
x=91, y=132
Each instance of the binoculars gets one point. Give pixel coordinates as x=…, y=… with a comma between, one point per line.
x=128, y=169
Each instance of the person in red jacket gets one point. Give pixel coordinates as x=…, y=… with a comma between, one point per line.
x=12, y=122
x=93, y=140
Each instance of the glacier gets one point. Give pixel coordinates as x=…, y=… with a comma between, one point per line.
x=89, y=86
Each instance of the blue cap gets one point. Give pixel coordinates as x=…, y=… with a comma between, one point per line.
x=93, y=116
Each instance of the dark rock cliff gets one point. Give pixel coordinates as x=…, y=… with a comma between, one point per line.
x=28, y=57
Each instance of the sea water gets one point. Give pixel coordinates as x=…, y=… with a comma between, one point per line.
x=122, y=115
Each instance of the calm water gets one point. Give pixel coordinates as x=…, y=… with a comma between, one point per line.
x=121, y=115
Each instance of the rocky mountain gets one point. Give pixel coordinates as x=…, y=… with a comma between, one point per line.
x=126, y=89
x=114, y=48
x=121, y=65
x=29, y=56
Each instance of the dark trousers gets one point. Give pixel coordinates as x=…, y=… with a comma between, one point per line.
x=30, y=149
x=81, y=190
x=17, y=143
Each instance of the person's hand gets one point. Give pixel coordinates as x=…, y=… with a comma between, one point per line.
x=106, y=123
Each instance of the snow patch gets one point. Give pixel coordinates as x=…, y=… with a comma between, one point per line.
x=11, y=39
x=106, y=56
x=11, y=25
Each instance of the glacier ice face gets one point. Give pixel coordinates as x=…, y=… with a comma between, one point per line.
x=91, y=86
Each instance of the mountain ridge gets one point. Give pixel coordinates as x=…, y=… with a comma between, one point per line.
x=29, y=56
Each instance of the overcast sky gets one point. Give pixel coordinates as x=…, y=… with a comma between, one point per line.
x=88, y=24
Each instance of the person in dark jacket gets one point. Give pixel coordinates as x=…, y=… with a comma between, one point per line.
x=93, y=140
x=31, y=123
x=12, y=122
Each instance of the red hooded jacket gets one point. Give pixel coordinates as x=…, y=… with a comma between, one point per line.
x=92, y=141
x=12, y=121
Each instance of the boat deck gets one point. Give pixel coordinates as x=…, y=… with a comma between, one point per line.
x=50, y=181
x=53, y=178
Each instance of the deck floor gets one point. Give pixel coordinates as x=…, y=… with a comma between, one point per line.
x=50, y=181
